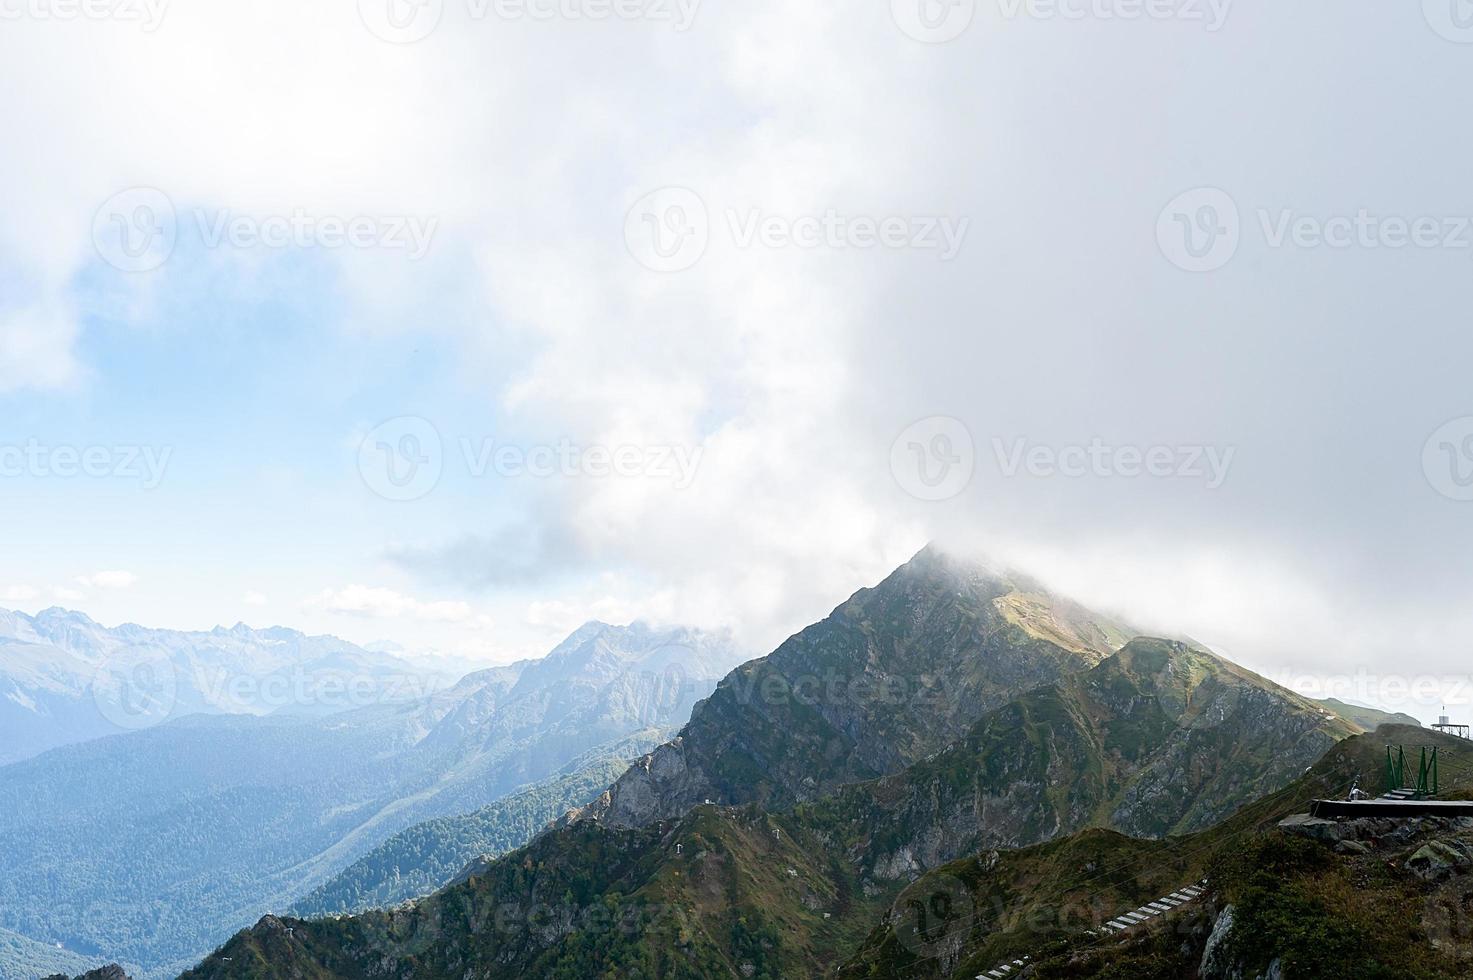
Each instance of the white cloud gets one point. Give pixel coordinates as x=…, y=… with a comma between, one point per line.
x=254, y=599
x=794, y=370
x=750, y=354
x=554, y=613
x=17, y=593
x=557, y=617
x=63, y=594
x=108, y=580
x=36, y=347
x=362, y=600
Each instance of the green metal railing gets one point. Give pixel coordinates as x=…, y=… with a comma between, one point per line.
x=1426, y=783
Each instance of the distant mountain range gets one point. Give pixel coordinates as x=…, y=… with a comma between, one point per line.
x=1367, y=718
x=952, y=709
x=66, y=679
x=151, y=847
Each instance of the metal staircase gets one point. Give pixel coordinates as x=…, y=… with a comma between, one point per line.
x=1119, y=924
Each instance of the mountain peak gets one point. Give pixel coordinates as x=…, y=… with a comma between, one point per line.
x=602, y=647
x=1187, y=680
x=239, y=629
x=894, y=674
x=55, y=614
x=52, y=665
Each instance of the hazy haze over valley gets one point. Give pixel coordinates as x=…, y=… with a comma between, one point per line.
x=212, y=817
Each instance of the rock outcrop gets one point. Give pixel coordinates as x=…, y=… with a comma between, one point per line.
x=110, y=972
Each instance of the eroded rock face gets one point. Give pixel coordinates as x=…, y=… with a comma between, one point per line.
x=1438, y=859
x=643, y=794
x=1206, y=748
x=1161, y=738
x=1316, y=828
x=1214, y=964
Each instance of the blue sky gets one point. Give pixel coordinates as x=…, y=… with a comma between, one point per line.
x=256, y=391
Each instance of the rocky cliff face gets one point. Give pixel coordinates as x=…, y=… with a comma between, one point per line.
x=893, y=675
x=1158, y=739
x=1288, y=896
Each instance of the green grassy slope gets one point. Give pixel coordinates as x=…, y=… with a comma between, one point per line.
x=722, y=892
x=1161, y=738
x=1367, y=718
x=1039, y=901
